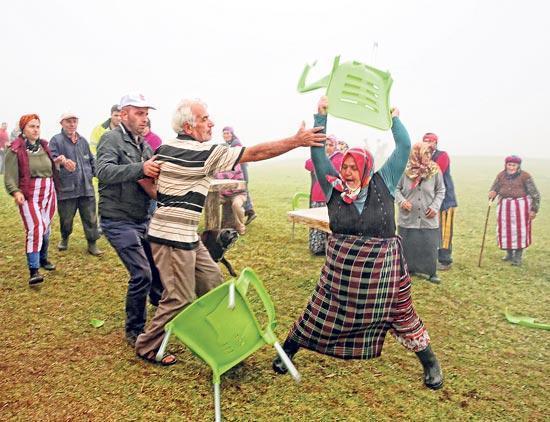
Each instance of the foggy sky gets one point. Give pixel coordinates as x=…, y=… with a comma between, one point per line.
x=474, y=72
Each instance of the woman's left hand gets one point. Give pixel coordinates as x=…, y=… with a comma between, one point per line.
x=430, y=213
x=532, y=215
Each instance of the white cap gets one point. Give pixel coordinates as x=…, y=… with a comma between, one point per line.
x=67, y=115
x=135, y=99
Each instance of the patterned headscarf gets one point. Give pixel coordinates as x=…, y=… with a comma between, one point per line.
x=25, y=119
x=420, y=165
x=430, y=137
x=512, y=159
x=365, y=164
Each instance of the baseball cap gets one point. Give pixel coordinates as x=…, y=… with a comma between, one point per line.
x=135, y=99
x=67, y=115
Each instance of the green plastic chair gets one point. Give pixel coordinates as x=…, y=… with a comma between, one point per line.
x=526, y=321
x=298, y=196
x=356, y=92
x=221, y=329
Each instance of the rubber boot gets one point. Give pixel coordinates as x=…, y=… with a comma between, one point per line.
x=516, y=261
x=509, y=255
x=433, y=377
x=93, y=249
x=63, y=244
x=290, y=348
x=35, y=277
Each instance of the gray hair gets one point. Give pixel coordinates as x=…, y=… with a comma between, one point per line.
x=184, y=114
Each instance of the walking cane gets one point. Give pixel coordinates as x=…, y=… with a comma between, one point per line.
x=484, y=233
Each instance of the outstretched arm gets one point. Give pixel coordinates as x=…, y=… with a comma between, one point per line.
x=393, y=168
x=321, y=162
x=303, y=138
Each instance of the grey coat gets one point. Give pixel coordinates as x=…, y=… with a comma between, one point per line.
x=74, y=184
x=119, y=167
x=428, y=194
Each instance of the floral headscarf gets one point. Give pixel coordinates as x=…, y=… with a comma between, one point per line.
x=420, y=165
x=365, y=164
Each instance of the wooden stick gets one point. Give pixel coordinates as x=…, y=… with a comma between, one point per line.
x=484, y=233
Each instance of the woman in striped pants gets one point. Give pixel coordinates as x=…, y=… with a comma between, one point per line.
x=29, y=178
x=518, y=205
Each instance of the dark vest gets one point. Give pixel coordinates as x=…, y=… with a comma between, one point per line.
x=377, y=218
x=450, y=197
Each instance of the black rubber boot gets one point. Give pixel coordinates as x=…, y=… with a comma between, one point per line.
x=516, y=261
x=36, y=277
x=509, y=255
x=290, y=348
x=433, y=377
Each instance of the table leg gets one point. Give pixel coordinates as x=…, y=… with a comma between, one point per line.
x=212, y=211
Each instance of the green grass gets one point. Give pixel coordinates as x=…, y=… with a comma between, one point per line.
x=56, y=366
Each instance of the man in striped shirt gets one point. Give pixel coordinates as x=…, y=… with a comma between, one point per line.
x=188, y=166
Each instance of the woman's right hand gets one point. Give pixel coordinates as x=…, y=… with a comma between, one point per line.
x=492, y=195
x=406, y=205
x=322, y=105
x=19, y=198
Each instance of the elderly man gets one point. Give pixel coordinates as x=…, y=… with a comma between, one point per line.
x=123, y=158
x=188, y=166
x=76, y=192
x=448, y=207
x=106, y=126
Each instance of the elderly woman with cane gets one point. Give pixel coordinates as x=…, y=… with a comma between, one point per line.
x=364, y=288
x=517, y=207
x=29, y=178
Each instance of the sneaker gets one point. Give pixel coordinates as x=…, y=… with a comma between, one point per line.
x=63, y=245
x=250, y=218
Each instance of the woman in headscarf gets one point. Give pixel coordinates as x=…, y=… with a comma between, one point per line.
x=231, y=139
x=29, y=178
x=318, y=238
x=419, y=195
x=518, y=205
x=364, y=287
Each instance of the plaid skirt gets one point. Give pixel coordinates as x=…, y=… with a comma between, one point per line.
x=363, y=291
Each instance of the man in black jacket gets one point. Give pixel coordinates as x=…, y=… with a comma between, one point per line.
x=76, y=192
x=123, y=158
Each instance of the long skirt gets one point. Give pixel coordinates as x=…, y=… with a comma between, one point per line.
x=317, y=238
x=364, y=290
x=37, y=212
x=420, y=249
x=513, y=223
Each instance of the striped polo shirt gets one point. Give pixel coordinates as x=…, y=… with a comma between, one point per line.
x=187, y=169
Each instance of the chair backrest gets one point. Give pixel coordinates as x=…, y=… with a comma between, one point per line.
x=297, y=197
x=356, y=92
x=220, y=336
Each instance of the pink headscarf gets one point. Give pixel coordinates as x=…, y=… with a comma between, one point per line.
x=365, y=164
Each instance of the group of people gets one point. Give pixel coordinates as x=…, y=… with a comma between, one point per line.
x=364, y=289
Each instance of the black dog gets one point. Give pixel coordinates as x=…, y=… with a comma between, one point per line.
x=218, y=242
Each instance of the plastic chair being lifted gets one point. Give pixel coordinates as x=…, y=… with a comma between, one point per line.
x=221, y=329
x=295, y=202
x=356, y=92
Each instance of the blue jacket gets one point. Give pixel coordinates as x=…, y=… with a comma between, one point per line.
x=79, y=182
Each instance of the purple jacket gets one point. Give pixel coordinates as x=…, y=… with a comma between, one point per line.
x=236, y=174
x=153, y=140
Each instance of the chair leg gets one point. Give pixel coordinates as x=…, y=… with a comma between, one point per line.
x=217, y=402
x=231, y=304
x=288, y=363
x=163, y=345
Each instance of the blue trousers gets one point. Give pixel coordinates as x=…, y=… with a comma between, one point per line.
x=128, y=239
x=35, y=258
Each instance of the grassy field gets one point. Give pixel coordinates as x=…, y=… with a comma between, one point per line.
x=56, y=366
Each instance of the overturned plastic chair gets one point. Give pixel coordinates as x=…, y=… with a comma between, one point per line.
x=221, y=329
x=298, y=196
x=356, y=92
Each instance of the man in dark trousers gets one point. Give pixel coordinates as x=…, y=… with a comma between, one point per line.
x=448, y=207
x=123, y=158
x=76, y=192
